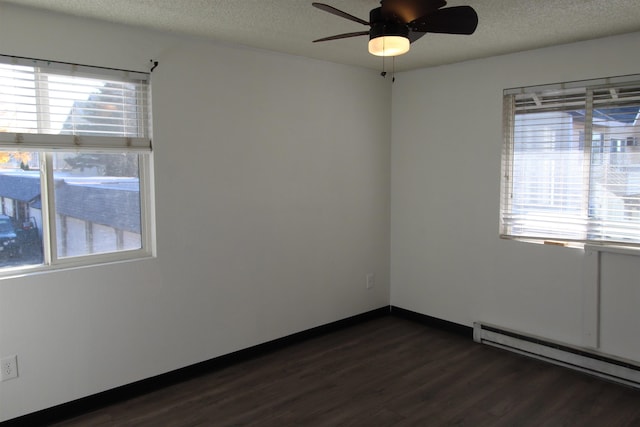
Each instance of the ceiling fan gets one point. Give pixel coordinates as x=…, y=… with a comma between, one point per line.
x=398, y=23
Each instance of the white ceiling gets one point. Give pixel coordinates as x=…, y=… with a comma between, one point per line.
x=290, y=25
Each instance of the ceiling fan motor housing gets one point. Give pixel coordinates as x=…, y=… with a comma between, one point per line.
x=385, y=27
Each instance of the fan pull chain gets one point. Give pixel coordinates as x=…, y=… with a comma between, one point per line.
x=393, y=64
x=384, y=72
x=393, y=70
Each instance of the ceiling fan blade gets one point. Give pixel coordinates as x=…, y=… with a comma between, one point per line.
x=451, y=20
x=409, y=10
x=340, y=13
x=343, y=36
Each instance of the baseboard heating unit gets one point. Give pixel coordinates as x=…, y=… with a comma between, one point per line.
x=591, y=362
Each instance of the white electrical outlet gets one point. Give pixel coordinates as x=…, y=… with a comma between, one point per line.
x=9, y=366
x=371, y=280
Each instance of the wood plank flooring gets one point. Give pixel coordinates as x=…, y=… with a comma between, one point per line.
x=385, y=372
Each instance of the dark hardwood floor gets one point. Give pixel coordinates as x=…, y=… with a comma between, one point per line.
x=385, y=372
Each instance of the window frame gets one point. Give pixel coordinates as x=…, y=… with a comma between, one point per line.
x=46, y=145
x=587, y=140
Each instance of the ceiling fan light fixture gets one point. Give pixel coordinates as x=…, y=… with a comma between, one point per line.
x=387, y=38
x=389, y=45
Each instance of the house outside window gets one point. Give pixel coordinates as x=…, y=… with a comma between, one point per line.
x=571, y=163
x=75, y=156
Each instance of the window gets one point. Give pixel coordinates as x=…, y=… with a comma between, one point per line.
x=571, y=162
x=74, y=164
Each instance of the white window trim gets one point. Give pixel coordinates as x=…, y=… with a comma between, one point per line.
x=47, y=144
x=50, y=260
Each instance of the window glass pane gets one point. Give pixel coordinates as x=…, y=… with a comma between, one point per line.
x=548, y=171
x=97, y=202
x=20, y=210
x=615, y=181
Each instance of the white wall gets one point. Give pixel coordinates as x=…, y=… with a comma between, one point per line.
x=272, y=200
x=446, y=258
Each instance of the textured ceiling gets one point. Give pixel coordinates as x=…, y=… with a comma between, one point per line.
x=290, y=25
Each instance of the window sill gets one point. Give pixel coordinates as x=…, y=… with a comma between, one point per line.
x=587, y=247
x=71, y=264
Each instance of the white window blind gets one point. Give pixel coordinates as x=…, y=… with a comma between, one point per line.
x=50, y=105
x=571, y=162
